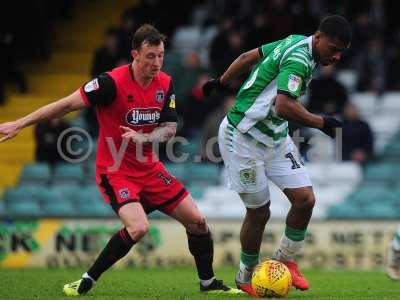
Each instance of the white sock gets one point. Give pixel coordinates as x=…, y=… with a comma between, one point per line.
x=206, y=282
x=245, y=272
x=243, y=267
x=395, y=244
x=396, y=241
x=86, y=275
x=288, y=249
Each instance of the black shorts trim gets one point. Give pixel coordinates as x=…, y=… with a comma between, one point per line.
x=119, y=205
x=111, y=194
x=170, y=201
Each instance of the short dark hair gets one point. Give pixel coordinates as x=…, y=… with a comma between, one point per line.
x=149, y=34
x=336, y=27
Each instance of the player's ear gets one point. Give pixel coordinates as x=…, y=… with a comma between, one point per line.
x=317, y=36
x=134, y=53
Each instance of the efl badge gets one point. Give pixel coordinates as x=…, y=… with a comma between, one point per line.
x=91, y=86
x=160, y=96
x=124, y=193
x=172, y=101
x=294, y=82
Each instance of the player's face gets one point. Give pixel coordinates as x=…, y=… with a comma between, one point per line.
x=328, y=50
x=149, y=59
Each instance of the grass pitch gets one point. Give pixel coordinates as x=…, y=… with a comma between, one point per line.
x=181, y=284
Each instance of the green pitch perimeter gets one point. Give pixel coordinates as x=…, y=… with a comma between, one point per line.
x=181, y=284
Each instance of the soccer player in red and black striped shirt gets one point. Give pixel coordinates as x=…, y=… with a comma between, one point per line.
x=135, y=106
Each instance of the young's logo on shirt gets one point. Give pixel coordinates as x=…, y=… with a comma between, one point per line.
x=91, y=86
x=160, y=96
x=294, y=82
x=143, y=116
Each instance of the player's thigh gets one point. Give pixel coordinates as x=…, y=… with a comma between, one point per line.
x=244, y=163
x=162, y=191
x=189, y=215
x=285, y=168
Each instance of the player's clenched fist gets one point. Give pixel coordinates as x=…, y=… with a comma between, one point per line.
x=9, y=130
x=210, y=85
x=134, y=136
x=330, y=125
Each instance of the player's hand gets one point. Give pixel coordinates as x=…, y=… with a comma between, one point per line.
x=134, y=136
x=9, y=130
x=210, y=85
x=330, y=125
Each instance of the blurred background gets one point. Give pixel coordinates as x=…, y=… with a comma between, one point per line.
x=49, y=49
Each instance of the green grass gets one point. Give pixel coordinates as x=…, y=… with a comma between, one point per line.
x=181, y=284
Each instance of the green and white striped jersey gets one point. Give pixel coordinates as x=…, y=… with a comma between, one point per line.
x=286, y=66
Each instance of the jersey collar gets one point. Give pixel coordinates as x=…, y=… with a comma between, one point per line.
x=131, y=72
x=310, y=47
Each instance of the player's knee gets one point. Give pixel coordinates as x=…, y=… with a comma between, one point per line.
x=309, y=201
x=306, y=201
x=261, y=214
x=137, y=231
x=198, y=225
x=201, y=222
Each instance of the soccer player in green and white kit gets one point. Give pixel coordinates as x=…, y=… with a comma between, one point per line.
x=254, y=141
x=393, y=257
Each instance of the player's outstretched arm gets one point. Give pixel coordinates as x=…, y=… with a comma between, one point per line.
x=239, y=66
x=292, y=110
x=56, y=109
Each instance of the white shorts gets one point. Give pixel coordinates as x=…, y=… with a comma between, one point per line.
x=250, y=164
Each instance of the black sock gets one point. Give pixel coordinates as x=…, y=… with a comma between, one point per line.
x=118, y=246
x=202, y=249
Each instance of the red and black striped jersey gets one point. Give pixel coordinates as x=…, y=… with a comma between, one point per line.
x=120, y=101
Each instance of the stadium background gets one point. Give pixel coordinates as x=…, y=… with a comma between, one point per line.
x=52, y=214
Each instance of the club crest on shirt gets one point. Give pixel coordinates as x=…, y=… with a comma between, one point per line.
x=293, y=82
x=91, y=86
x=160, y=96
x=124, y=193
x=248, y=176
